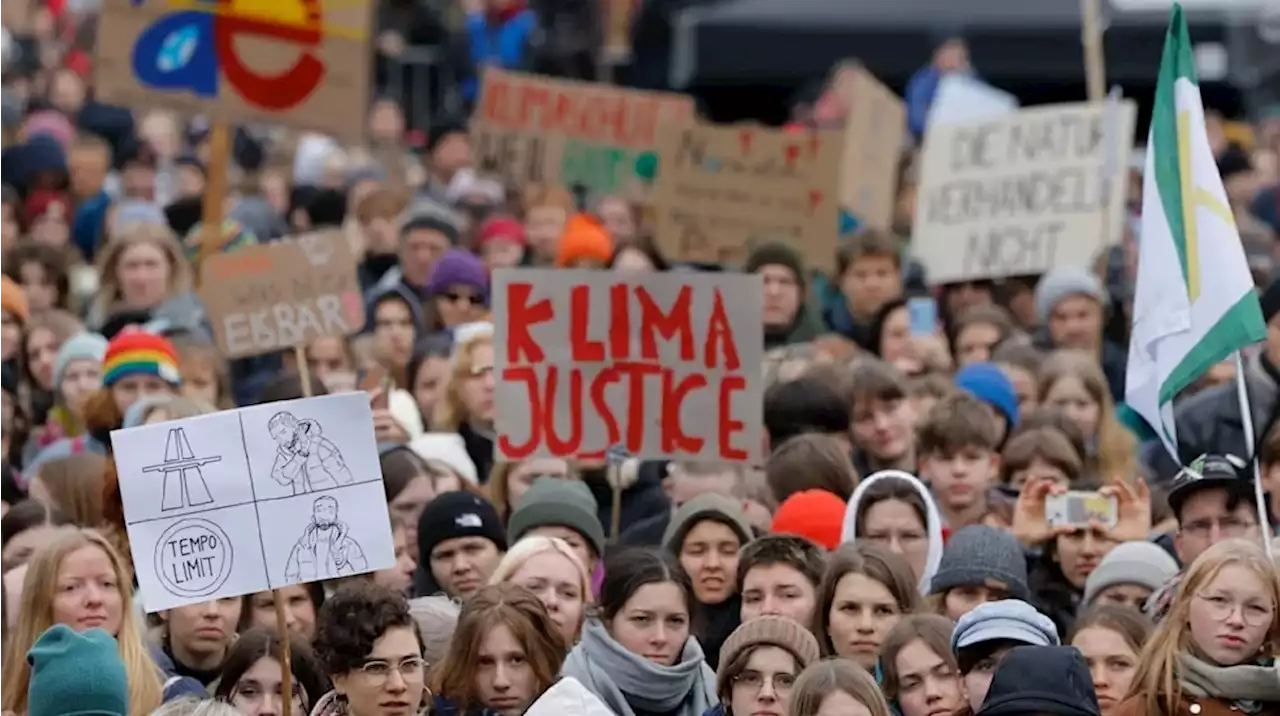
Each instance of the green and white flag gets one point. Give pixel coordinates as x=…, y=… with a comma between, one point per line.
x=1194, y=303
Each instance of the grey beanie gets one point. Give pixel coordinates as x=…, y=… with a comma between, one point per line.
x=83, y=346
x=1066, y=281
x=1145, y=564
x=979, y=553
x=708, y=505
x=562, y=503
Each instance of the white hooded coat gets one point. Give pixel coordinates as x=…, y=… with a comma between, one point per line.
x=933, y=519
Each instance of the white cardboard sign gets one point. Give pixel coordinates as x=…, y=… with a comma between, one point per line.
x=246, y=500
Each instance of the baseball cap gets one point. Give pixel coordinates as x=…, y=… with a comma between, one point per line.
x=1205, y=472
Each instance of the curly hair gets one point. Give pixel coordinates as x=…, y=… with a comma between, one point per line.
x=356, y=616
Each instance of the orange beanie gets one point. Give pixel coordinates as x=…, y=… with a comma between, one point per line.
x=584, y=238
x=13, y=299
x=816, y=514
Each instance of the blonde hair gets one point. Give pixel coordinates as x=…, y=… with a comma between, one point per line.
x=533, y=545
x=1117, y=447
x=146, y=690
x=1156, y=682
x=126, y=238
x=823, y=678
x=450, y=412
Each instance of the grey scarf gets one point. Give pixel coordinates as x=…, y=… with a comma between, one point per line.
x=627, y=682
x=1245, y=686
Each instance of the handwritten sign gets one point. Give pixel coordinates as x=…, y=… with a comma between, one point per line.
x=721, y=188
x=666, y=366
x=274, y=296
x=301, y=63
x=1018, y=195
x=530, y=129
x=246, y=500
x=874, y=136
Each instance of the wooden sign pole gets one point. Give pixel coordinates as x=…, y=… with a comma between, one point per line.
x=1095, y=68
x=286, y=656
x=215, y=194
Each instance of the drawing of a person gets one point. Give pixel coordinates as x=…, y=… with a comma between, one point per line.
x=325, y=550
x=305, y=458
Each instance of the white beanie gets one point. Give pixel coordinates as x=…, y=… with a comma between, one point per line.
x=1061, y=283
x=1145, y=564
x=447, y=448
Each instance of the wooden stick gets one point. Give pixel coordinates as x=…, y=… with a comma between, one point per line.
x=286, y=655
x=304, y=370
x=1095, y=68
x=215, y=194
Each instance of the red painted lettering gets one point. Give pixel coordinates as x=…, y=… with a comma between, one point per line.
x=521, y=315
x=581, y=347
x=619, y=323
x=677, y=323
x=555, y=443
x=674, y=438
x=636, y=373
x=604, y=379
x=729, y=385
x=720, y=337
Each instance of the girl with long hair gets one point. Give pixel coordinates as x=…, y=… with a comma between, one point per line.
x=1073, y=382
x=549, y=568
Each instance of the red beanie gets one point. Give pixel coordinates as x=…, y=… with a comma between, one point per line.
x=41, y=202
x=816, y=514
x=501, y=228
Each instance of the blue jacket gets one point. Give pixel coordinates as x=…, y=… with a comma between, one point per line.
x=921, y=88
x=505, y=46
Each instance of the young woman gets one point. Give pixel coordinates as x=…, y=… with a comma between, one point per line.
x=301, y=604
x=206, y=377
x=979, y=564
x=1058, y=576
x=410, y=483
x=759, y=665
x=893, y=510
x=72, y=485
x=143, y=268
x=427, y=372
x=42, y=271
x=921, y=676
x=977, y=331
x=1111, y=638
x=79, y=580
x=459, y=289
x=640, y=656
x=25, y=529
x=77, y=374
x=837, y=687
x=504, y=654
x=548, y=567
x=510, y=480
x=396, y=322
x=331, y=361
x=252, y=676
x=1212, y=653
x=635, y=256
x=46, y=332
x=864, y=593
x=467, y=404
x=369, y=646
x=1073, y=382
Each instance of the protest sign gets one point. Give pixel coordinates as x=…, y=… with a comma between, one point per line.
x=259, y=498
x=719, y=189
x=667, y=366
x=874, y=136
x=300, y=64
x=1021, y=194
x=283, y=294
x=531, y=129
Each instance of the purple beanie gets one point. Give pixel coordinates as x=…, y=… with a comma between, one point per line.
x=459, y=268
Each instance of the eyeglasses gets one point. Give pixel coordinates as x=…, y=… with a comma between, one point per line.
x=1227, y=526
x=410, y=668
x=452, y=297
x=1221, y=608
x=753, y=682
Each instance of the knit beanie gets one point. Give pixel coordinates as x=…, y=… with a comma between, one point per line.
x=1064, y=282
x=458, y=514
x=978, y=553
x=83, y=346
x=708, y=505
x=986, y=382
x=140, y=353
x=781, y=632
x=13, y=299
x=584, y=238
x=458, y=268
x=776, y=254
x=1145, y=564
x=501, y=228
x=76, y=674
x=562, y=503
x=450, y=449
x=815, y=514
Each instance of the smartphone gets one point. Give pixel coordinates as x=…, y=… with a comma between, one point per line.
x=1078, y=509
x=376, y=383
x=923, y=315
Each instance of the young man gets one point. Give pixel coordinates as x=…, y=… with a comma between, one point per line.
x=460, y=540
x=1212, y=499
x=807, y=404
x=778, y=575
x=786, y=317
x=1073, y=304
x=870, y=269
x=683, y=482
x=957, y=445
x=883, y=422
x=986, y=634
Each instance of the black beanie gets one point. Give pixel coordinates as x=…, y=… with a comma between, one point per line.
x=458, y=514
x=1270, y=300
x=776, y=253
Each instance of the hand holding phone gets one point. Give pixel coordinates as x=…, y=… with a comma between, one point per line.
x=1080, y=509
x=922, y=315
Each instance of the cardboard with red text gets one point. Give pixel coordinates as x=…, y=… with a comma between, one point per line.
x=275, y=296
x=304, y=65
x=530, y=129
x=722, y=189
x=666, y=365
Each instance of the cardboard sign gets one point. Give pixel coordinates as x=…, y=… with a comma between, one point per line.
x=270, y=297
x=602, y=138
x=242, y=501
x=962, y=98
x=290, y=62
x=667, y=366
x=1021, y=194
x=720, y=189
x=874, y=136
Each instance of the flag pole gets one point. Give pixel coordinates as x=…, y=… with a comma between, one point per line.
x=1250, y=446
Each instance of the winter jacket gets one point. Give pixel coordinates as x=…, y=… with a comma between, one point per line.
x=1190, y=706
x=568, y=697
x=504, y=45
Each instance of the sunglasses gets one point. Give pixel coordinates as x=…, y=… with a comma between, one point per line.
x=456, y=297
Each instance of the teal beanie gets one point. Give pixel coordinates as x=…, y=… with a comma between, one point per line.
x=74, y=674
x=560, y=503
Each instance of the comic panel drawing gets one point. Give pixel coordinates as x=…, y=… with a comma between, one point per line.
x=182, y=467
x=335, y=533
x=305, y=447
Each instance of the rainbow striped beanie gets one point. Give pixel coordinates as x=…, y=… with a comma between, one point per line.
x=140, y=353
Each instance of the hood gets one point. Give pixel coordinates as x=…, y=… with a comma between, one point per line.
x=180, y=312
x=568, y=697
x=387, y=288
x=259, y=218
x=1020, y=687
x=934, y=519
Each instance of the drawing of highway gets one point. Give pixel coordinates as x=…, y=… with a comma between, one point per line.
x=184, y=484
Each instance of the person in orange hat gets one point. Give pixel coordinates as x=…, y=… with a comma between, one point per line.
x=816, y=514
x=13, y=317
x=584, y=244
